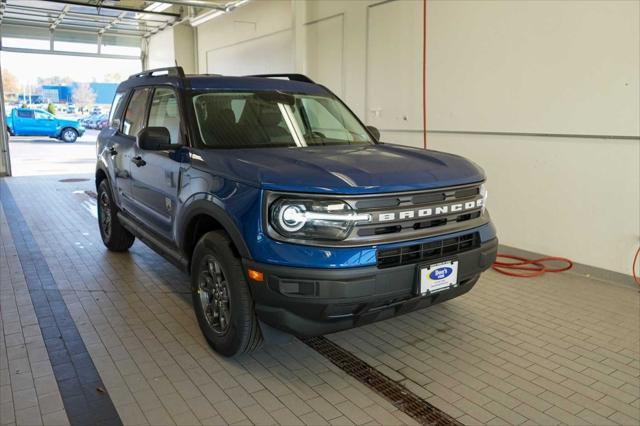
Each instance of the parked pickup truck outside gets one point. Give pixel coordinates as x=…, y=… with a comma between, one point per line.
x=284, y=208
x=36, y=122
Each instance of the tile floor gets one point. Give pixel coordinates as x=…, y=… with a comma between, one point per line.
x=558, y=349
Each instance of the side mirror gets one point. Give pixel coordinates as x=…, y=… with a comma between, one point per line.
x=154, y=139
x=375, y=132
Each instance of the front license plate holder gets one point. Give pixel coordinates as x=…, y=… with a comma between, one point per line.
x=436, y=277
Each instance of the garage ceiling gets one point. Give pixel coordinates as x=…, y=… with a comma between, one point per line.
x=84, y=16
x=99, y=22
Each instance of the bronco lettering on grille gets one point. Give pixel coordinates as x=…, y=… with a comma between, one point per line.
x=431, y=211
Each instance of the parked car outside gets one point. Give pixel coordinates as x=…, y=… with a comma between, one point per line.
x=84, y=120
x=102, y=121
x=93, y=122
x=284, y=207
x=37, y=122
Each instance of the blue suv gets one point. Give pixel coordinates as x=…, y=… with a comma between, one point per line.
x=283, y=207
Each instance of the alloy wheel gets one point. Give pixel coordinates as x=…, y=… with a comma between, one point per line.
x=68, y=135
x=105, y=214
x=214, y=296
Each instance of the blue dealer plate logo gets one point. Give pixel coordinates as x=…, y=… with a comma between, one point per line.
x=441, y=273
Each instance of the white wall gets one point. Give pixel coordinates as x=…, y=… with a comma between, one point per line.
x=570, y=67
x=562, y=67
x=161, y=52
x=544, y=95
x=173, y=45
x=256, y=38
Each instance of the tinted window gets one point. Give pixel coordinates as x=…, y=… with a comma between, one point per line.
x=23, y=113
x=240, y=120
x=134, y=116
x=116, y=109
x=164, y=112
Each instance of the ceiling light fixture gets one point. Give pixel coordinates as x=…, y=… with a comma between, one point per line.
x=157, y=7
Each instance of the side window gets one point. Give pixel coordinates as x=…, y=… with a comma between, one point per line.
x=40, y=115
x=116, y=110
x=134, y=116
x=24, y=113
x=164, y=112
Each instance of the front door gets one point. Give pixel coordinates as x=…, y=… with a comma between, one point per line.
x=45, y=123
x=124, y=145
x=156, y=174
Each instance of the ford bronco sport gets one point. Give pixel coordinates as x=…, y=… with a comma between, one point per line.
x=284, y=208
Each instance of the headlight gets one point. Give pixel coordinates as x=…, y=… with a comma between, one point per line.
x=314, y=219
x=484, y=194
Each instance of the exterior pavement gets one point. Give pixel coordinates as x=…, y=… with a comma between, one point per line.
x=32, y=155
x=556, y=349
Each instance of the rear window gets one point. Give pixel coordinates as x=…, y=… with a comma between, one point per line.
x=25, y=113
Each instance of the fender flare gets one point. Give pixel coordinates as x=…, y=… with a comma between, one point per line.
x=209, y=208
x=100, y=167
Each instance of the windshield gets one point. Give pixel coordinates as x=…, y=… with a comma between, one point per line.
x=275, y=119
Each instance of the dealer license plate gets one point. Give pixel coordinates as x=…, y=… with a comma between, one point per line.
x=438, y=277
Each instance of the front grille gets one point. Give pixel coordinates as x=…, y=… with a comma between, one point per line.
x=427, y=251
x=413, y=215
x=403, y=216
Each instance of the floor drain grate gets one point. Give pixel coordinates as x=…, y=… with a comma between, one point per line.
x=73, y=180
x=401, y=397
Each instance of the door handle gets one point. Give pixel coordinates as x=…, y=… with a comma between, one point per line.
x=138, y=161
x=112, y=151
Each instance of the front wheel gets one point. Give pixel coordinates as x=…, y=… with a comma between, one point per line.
x=113, y=234
x=69, y=135
x=221, y=297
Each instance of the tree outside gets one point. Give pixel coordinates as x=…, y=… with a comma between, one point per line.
x=10, y=84
x=83, y=96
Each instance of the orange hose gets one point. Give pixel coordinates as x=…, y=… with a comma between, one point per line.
x=530, y=267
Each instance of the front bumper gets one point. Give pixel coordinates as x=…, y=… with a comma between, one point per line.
x=312, y=302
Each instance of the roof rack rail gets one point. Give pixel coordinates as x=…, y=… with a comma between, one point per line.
x=173, y=71
x=294, y=77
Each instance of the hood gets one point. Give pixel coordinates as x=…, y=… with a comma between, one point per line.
x=342, y=169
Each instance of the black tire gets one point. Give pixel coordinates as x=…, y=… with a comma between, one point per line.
x=114, y=236
x=242, y=332
x=69, y=135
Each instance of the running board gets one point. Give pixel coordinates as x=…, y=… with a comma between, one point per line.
x=156, y=243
